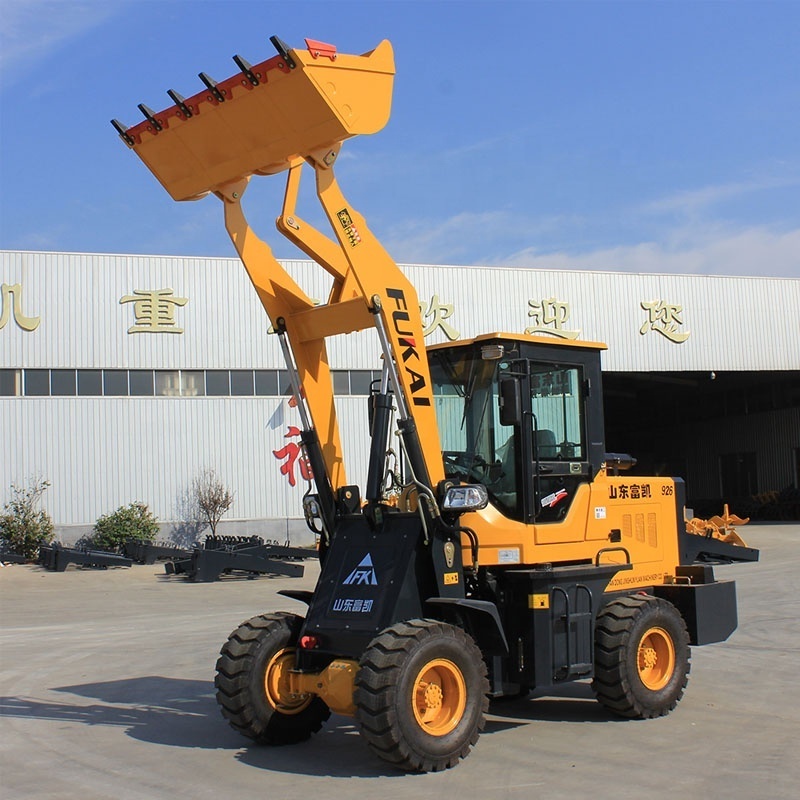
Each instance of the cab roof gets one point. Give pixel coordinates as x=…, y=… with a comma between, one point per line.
x=523, y=338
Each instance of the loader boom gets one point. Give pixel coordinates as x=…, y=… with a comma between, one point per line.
x=293, y=110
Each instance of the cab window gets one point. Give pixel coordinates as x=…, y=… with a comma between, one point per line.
x=557, y=407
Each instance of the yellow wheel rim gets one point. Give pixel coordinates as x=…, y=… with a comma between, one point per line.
x=278, y=688
x=439, y=697
x=656, y=659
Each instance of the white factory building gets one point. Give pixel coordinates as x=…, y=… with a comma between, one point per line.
x=122, y=376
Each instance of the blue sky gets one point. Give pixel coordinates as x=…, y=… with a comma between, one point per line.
x=655, y=137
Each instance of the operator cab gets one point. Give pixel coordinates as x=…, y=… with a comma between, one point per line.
x=521, y=415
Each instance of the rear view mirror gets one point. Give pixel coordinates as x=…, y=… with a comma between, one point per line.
x=510, y=402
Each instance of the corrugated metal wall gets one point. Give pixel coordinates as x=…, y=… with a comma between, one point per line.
x=100, y=453
x=84, y=324
x=772, y=437
x=733, y=323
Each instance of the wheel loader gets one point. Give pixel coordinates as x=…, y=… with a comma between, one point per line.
x=495, y=547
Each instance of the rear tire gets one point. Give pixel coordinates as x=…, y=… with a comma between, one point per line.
x=641, y=657
x=251, y=682
x=421, y=695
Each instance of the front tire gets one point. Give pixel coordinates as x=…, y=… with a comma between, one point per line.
x=421, y=695
x=641, y=657
x=252, y=682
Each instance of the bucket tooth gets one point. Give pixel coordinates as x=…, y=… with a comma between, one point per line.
x=150, y=116
x=212, y=87
x=122, y=130
x=180, y=101
x=283, y=51
x=247, y=70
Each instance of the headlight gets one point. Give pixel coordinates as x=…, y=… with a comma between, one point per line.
x=471, y=497
x=311, y=507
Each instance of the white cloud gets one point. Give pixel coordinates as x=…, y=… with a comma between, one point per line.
x=693, y=201
x=677, y=234
x=751, y=251
x=464, y=238
x=31, y=30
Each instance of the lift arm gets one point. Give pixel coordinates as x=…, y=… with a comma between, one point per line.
x=295, y=109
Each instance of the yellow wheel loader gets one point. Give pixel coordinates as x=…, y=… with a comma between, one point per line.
x=510, y=551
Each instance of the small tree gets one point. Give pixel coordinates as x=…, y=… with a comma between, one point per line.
x=24, y=526
x=134, y=522
x=212, y=496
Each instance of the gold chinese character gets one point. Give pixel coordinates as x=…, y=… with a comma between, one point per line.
x=9, y=307
x=154, y=310
x=664, y=318
x=549, y=316
x=438, y=313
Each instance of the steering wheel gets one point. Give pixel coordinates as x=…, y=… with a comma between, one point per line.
x=466, y=464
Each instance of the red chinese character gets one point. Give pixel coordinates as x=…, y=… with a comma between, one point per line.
x=293, y=453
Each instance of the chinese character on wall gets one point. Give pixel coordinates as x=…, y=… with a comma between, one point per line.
x=438, y=313
x=664, y=318
x=293, y=456
x=11, y=305
x=154, y=310
x=549, y=316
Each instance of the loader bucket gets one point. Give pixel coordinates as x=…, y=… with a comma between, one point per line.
x=260, y=120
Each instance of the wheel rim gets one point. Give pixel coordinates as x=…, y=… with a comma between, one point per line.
x=439, y=697
x=656, y=659
x=277, y=687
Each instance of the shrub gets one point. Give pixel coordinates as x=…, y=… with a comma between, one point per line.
x=24, y=526
x=134, y=522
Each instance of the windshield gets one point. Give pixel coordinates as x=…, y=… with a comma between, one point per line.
x=476, y=448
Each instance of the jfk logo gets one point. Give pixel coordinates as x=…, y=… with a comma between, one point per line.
x=364, y=573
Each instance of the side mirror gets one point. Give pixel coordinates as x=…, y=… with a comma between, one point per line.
x=510, y=402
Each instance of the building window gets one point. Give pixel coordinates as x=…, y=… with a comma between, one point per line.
x=193, y=383
x=37, y=382
x=242, y=382
x=218, y=383
x=62, y=382
x=9, y=382
x=341, y=381
x=267, y=383
x=360, y=381
x=115, y=382
x=90, y=382
x=141, y=382
x=168, y=383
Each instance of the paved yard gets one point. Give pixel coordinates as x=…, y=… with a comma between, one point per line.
x=107, y=684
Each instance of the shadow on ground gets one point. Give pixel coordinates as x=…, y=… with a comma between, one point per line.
x=571, y=702
x=183, y=713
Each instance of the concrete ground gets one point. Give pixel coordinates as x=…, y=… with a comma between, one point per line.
x=107, y=683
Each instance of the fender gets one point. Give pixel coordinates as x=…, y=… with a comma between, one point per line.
x=479, y=618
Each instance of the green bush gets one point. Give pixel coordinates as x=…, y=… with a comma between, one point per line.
x=24, y=527
x=132, y=522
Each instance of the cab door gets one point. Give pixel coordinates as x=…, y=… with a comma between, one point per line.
x=558, y=439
